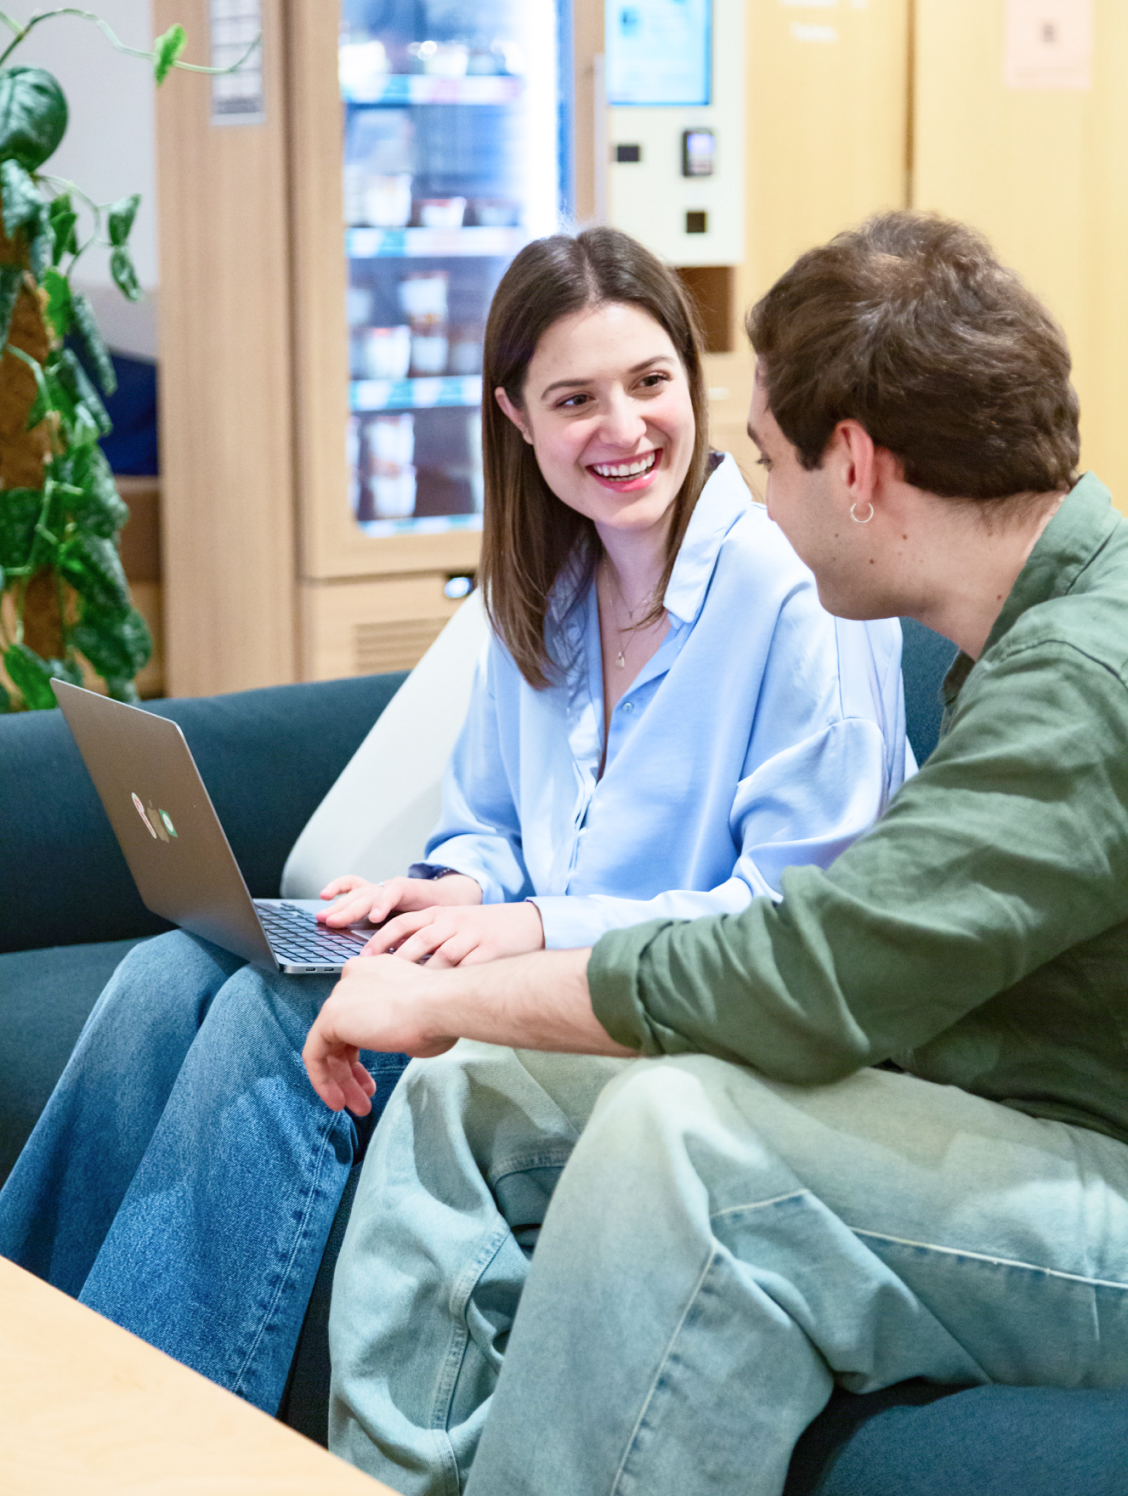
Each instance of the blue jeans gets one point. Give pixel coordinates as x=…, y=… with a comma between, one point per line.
x=183, y=1177
x=717, y=1251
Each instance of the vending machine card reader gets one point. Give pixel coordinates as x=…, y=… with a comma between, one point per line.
x=675, y=81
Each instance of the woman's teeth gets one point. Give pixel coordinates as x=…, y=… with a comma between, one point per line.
x=625, y=469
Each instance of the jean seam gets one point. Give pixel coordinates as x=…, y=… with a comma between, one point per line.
x=271, y=1308
x=447, y=1381
x=660, y=1370
x=985, y=1257
x=524, y=1163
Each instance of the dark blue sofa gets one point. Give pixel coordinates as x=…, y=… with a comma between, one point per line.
x=70, y=912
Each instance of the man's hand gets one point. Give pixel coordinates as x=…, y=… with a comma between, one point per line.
x=360, y=899
x=539, y=1001
x=461, y=936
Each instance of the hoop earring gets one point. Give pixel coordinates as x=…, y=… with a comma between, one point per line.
x=855, y=518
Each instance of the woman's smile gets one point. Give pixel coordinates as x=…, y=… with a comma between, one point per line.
x=630, y=474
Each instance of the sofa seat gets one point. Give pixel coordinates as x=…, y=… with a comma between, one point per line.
x=45, y=996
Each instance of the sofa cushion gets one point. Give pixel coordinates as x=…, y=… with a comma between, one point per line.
x=267, y=758
x=919, y=1440
x=45, y=997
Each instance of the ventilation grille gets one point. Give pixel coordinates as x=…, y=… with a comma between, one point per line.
x=395, y=645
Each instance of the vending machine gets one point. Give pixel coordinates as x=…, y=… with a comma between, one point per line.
x=456, y=153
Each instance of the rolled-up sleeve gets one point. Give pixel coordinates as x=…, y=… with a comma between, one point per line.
x=1009, y=848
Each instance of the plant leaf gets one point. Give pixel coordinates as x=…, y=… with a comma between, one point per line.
x=101, y=509
x=86, y=325
x=77, y=384
x=68, y=670
x=92, y=566
x=121, y=690
x=62, y=218
x=22, y=202
x=11, y=279
x=168, y=48
x=33, y=116
x=125, y=277
x=5, y=701
x=117, y=645
x=31, y=675
x=58, y=301
x=43, y=401
x=24, y=209
x=20, y=509
x=121, y=217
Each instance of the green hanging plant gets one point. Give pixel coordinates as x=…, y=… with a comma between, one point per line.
x=63, y=593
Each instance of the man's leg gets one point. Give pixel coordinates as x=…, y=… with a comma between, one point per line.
x=452, y=1194
x=720, y=1248
x=213, y=1251
x=62, y=1196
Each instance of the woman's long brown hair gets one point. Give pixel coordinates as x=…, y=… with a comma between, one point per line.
x=529, y=535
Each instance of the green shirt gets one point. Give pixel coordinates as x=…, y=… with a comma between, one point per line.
x=978, y=935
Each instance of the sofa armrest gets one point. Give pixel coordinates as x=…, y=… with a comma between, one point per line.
x=268, y=757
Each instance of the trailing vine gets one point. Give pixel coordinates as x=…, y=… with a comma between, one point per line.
x=64, y=597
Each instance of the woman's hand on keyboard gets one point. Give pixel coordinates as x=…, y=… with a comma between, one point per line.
x=461, y=936
x=358, y=899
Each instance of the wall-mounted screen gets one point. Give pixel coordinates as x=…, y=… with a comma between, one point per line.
x=658, y=51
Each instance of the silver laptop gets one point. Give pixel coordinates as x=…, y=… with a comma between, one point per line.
x=176, y=849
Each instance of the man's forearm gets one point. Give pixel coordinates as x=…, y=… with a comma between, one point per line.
x=537, y=1001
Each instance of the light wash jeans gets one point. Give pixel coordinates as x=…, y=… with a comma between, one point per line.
x=183, y=1177
x=719, y=1251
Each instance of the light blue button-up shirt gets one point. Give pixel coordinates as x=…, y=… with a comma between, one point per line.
x=762, y=733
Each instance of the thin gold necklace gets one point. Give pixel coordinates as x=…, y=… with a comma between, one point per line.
x=620, y=658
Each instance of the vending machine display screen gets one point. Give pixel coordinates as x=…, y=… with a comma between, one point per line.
x=658, y=52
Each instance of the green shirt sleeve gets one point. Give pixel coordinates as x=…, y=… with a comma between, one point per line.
x=1007, y=849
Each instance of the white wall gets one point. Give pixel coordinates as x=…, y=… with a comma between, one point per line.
x=110, y=148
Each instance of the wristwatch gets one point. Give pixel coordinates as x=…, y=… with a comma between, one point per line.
x=430, y=870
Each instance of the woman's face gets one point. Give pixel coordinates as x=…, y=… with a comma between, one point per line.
x=608, y=412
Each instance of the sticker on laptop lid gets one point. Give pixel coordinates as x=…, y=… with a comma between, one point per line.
x=140, y=809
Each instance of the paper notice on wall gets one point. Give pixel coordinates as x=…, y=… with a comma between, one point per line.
x=1049, y=44
x=237, y=97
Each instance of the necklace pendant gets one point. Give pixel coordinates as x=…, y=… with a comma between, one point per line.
x=620, y=661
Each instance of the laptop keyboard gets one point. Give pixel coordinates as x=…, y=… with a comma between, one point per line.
x=295, y=935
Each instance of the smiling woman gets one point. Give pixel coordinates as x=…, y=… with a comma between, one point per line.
x=594, y=357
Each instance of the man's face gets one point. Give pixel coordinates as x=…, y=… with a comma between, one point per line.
x=812, y=508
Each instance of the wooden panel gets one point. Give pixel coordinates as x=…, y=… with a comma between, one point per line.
x=826, y=127
x=710, y=289
x=226, y=448
x=362, y=628
x=86, y=1407
x=587, y=44
x=1041, y=172
x=729, y=378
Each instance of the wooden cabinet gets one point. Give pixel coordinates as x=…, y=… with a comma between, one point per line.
x=1042, y=171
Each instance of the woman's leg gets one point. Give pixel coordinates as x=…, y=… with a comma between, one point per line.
x=61, y=1197
x=214, y=1249
x=452, y=1194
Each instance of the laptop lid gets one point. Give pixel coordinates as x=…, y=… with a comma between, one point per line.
x=164, y=821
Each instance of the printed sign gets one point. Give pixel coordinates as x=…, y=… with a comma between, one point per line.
x=237, y=98
x=1049, y=44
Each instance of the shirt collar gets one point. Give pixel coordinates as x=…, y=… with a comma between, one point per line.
x=723, y=500
x=1065, y=547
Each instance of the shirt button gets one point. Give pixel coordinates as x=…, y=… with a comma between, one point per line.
x=628, y=706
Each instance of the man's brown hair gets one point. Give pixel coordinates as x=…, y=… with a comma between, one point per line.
x=911, y=326
x=529, y=536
